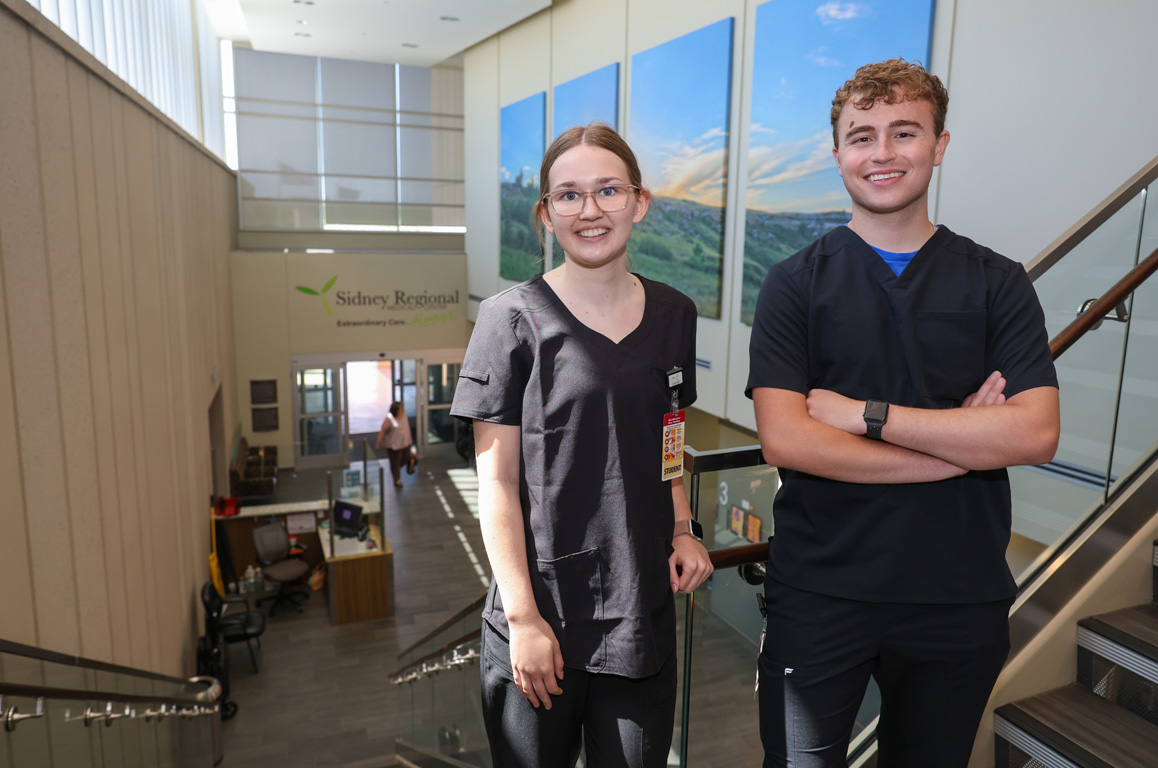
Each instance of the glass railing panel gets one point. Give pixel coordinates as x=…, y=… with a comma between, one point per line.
x=734, y=506
x=1137, y=427
x=1088, y=371
x=1052, y=501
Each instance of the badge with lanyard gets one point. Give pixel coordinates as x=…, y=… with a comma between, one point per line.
x=673, y=429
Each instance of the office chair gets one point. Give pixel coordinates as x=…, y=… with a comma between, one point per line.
x=273, y=550
x=244, y=625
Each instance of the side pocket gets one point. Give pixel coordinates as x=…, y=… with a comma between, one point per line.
x=575, y=585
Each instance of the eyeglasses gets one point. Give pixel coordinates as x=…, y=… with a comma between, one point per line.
x=611, y=198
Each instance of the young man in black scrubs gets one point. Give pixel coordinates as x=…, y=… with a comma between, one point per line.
x=897, y=368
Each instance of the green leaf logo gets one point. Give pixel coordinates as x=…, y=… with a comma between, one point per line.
x=320, y=294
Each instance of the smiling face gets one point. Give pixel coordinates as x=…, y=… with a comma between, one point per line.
x=886, y=155
x=592, y=238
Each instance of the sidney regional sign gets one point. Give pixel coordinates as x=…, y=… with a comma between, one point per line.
x=346, y=301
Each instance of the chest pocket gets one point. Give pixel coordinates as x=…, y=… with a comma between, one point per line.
x=951, y=353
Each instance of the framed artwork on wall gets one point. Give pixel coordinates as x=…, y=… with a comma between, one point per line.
x=680, y=108
x=803, y=53
x=264, y=419
x=522, y=131
x=262, y=391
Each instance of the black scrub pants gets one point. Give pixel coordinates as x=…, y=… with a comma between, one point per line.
x=935, y=666
x=623, y=722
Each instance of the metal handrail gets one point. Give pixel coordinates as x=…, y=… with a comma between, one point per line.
x=204, y=703
x=1114, y=202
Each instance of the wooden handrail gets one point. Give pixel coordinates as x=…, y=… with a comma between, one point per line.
x=1110, y=299
x=733, y=556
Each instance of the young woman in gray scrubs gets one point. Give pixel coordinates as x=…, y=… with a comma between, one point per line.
x=567, y=379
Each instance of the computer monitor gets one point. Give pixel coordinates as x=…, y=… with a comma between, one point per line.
x=347, y=518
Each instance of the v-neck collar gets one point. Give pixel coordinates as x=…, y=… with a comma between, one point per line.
x=883, y=272
x=628, y=342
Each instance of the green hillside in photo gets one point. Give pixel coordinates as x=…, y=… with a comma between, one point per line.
x=681, y=243
x=770, y=238
x=520, y=255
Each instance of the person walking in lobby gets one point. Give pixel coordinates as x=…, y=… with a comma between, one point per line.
x=574, y=381
x=395, y=437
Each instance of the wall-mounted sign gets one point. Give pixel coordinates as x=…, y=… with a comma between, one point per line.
x=353, y=302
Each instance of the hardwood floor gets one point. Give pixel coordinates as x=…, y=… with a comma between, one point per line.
x=323, y=697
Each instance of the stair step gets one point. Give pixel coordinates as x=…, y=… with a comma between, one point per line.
x=1128, y=637
x=1071, y=727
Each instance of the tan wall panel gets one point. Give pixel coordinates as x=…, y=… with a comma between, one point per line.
x=117, y=288
x=115, y=333
x=146, y=361
x=525, y=59
x=262, y=340
x=78, y=438
x=575, y=55
x=17, y=613
x=92, y=137
x=30, y=336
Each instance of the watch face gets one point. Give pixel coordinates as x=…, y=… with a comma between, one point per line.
x=876, y=410
x=696, y=529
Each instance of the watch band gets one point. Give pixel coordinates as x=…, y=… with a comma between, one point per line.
x=876, y=413
x=689, y=527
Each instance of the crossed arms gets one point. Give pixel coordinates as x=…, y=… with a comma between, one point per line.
x=822, y=433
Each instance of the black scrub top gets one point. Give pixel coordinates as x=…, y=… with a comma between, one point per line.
x=597, y=515
x=834, y=316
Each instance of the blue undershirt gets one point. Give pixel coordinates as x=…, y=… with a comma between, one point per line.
x=896, y=261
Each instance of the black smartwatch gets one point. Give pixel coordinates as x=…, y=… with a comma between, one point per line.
x=876, y=413
x=689, y=527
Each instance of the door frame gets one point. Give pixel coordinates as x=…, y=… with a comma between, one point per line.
x=421, y=357
x=340, y=459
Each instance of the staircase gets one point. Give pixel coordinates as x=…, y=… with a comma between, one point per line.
x=1109, y=717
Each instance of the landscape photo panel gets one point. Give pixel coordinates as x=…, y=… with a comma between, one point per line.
x=522, y=131
x=680, y=102
x=593, y=97
x=804, y=51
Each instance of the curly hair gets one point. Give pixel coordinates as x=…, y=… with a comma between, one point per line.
x=595, y=135
x=890, y=82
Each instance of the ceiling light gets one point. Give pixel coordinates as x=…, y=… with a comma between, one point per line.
x=303, y=22
x=301, y=34
x=303, y=2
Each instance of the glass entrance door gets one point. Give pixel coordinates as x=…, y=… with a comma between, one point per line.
x=426, y=390
x=321, y=428
x=439, y=427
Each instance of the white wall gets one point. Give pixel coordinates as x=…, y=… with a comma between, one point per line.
x=1048, y=114
x=1051, y=108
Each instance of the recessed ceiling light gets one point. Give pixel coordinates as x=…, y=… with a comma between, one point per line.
x=303, y=22
x=409, y=45
x=448, y=18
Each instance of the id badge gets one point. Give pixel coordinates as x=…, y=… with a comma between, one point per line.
x=673, y=445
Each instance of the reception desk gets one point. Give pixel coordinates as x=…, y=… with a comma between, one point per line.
x=359, y=580
x=359, y=577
